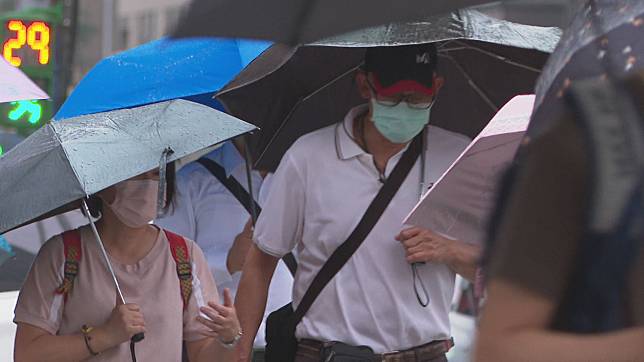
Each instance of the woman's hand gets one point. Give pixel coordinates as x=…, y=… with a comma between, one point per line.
x=222, y=320
x=125, y=321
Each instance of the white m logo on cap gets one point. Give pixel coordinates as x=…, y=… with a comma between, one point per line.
x=423, y=58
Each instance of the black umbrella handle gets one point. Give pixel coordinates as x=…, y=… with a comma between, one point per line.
x=134, y=340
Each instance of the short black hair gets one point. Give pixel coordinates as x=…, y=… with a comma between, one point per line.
x=95, y=203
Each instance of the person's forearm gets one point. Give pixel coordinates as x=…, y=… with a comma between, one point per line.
x=542, y=345
x=464, y=259
x=250, y=301
x=52, y=348
x=213, y=351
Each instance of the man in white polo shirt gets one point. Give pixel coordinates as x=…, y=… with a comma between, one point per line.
x=319, y=193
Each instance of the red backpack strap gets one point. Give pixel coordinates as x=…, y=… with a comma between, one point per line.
x=181, y=256
x=72, y=247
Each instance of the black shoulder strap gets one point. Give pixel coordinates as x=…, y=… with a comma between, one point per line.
x=244, y=198
x=371, y=216
x=230, y=183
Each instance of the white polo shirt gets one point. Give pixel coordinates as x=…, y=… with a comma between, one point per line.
x=320, y=191
x=206, y=212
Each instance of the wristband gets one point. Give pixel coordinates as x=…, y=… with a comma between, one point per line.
x=86, y=330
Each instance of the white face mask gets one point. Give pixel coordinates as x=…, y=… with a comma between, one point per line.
x=135, y=204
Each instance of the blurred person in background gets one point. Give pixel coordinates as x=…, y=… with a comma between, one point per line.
x=559, y=289
x=212, y=207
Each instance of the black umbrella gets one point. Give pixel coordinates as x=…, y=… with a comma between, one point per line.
x=303, y=21
x=604, y=38
x=290, y=91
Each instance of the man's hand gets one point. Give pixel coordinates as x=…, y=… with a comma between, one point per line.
x=222, y=320
x=237, y=253
x=423, y=245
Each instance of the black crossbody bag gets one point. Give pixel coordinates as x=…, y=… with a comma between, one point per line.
x=244, y=198
x=281, y=344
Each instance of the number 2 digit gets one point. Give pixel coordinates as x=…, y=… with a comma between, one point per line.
x=15, y=43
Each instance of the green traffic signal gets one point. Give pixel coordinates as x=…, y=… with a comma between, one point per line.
x=24, y=117
x=22, y=108
x=1, y=150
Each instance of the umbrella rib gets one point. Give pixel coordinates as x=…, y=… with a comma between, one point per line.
x=300, y=101
x=497, y=56
x=473, y=84
x=304, y=14
x=493, y=147
x=69, y=162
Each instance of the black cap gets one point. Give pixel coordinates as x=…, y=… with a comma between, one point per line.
x=408, y=67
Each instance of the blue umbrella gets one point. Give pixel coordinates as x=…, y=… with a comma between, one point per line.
x=161, y=70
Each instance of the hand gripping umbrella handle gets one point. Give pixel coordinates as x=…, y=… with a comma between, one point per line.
x=139, y=336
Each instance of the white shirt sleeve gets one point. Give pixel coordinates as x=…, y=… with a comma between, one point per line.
x=280, y=224
x=265, y=189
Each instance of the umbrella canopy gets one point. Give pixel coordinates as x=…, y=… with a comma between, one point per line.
x=16, y=86
x=461, y=201
x=161, y=70
x=289, y=91
x=605, y=37
x=80, y=156
x=304, y=21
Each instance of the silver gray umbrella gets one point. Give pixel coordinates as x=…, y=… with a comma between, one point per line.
x=68, y=160
x=289, y=91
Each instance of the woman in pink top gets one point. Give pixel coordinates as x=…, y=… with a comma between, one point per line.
x=59, y=320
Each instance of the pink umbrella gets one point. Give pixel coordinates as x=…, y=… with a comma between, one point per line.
x=16, y=86
x=460, y=202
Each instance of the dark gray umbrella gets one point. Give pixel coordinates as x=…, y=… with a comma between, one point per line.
x=303, y=21
x=289, y=91
x=607, y=37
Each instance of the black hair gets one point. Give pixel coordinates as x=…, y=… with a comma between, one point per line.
x=95, y=203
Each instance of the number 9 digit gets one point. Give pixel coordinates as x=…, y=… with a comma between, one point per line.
x=41, y=44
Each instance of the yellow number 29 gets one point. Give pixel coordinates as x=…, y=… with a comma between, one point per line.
x=37, y=36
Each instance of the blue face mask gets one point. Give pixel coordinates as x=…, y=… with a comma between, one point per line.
x=400, y=123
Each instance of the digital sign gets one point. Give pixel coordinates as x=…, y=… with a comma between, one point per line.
x=25, y=38
x=28, y=41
